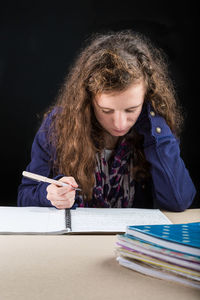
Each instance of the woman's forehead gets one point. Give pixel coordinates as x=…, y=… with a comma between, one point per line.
x=132, y=96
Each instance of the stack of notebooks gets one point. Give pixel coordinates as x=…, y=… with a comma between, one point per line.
x=170, y=251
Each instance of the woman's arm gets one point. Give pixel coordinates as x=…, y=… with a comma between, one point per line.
x=173, y=187
x=33, y=193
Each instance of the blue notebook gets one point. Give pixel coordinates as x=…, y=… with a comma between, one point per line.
x=180, y=237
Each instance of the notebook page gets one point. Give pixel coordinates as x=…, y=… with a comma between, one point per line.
x=31, y=220
x=114, y=219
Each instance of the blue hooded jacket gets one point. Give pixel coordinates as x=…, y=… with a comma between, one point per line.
x=170, y=187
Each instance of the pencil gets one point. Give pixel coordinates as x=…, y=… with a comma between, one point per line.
x=37, y=177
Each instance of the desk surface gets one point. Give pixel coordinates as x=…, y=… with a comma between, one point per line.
x=79, y=267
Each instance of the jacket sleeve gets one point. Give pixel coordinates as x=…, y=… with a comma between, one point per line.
x=30, y=192
x=172, y=186
x=33, y=193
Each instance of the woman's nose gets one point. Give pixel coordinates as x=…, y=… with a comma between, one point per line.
x=120, y=121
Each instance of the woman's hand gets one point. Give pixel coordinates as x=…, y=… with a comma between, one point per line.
x=62, y=197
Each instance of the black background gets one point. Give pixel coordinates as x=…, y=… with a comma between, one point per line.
x=38, y=43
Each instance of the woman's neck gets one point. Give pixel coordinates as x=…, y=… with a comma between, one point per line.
x=110, y=141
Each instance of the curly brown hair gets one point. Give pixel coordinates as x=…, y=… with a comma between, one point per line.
x=110, y=62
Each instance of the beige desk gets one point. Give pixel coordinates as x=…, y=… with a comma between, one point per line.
x=79, y=267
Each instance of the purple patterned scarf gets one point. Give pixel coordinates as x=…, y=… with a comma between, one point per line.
x=114, y=185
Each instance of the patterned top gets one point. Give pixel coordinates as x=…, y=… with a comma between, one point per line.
x=114, y=186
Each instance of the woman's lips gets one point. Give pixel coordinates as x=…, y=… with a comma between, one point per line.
x=120, y=131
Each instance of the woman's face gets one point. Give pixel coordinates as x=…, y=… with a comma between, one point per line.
x=117, y=112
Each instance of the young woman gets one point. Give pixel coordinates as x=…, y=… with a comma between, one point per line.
x=113, y=132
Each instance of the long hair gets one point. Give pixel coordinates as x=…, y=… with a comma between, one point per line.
x=110, y=62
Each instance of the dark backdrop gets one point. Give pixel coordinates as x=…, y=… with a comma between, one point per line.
x=38, y=42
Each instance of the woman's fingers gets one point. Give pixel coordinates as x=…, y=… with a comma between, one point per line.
x=62, y=197
x=55, y=193
x=60, y=191
x=70, y=180
x=65, y=202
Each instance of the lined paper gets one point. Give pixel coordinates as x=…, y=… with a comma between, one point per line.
x=114, y=219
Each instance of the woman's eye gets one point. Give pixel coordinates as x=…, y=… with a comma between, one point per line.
x=107, y=111
x=130, y=111
x=110, y=111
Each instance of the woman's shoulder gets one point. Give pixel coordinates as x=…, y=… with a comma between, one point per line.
x=49, y=116
x=45, y=133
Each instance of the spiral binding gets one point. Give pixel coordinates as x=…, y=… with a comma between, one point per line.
x=68, y=219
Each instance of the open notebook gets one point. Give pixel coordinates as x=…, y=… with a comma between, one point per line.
x=49, y=220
